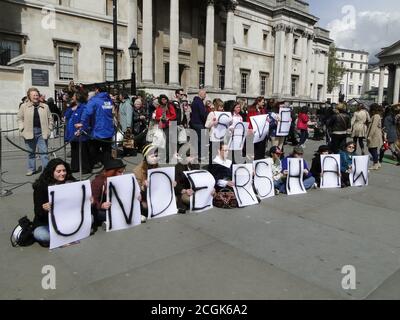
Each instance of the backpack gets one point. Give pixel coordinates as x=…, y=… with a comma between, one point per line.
x=22, y=234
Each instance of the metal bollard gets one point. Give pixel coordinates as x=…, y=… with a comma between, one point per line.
x=3, y=193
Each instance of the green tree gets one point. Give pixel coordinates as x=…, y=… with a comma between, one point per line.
x=335, y=71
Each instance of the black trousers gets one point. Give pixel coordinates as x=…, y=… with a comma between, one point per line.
x=100, y=151
x=86, y=165
x=259, y=149
x=338, y=141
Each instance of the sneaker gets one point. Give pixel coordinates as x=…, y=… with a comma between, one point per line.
x=143, y=219
x=315, y=186
x=277, y=192
x=181, y=211
x=29, y=173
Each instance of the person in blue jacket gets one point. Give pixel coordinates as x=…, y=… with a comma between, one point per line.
x=73, y=135
x=308, y=179
x=99, y=114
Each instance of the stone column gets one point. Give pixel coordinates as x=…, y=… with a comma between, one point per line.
x=279, y=58
x=302, y=85
x=396, y=90
x=174, y=43
x=132, y=31
x=326, y=70
x=147, y=42
x=309, y=64
x=381, y=84
x=289, y=57
x=230, y=22
x=314, y=94
x=194, y=55
x=209, y=54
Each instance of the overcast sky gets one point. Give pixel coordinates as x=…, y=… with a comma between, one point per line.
x=360, y=24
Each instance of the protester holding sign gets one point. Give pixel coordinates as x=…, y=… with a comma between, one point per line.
x=112, y=168
x=346, y=156
x=255, y=110
x=150, y=161
x=56, y=172
x=316, y=168
x=308, y=179
x=211, y=124
x=183, y=190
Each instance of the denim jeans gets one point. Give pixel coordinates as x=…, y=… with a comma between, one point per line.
x=42, y=147
x=281, y=185
x=42, y=234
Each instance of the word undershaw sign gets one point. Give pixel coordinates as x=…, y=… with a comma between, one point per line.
x=284, y=123
x=160, y=193
x=330, y=171
x=294, y=181
x=263, y=181
x=243, y=188
x=224, y=120
x=123, y=193
x=239, y=135
x=70, y=217
x=359, y=171
x=202, y=183
x=260, y=127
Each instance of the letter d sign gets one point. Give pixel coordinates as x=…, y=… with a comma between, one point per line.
x=349, y=280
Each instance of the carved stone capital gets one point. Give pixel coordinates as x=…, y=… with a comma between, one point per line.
x=231, y=5
x=290, y=29
x=280, y=27
x=210, y=2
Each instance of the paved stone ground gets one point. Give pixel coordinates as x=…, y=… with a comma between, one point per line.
x=285, y=248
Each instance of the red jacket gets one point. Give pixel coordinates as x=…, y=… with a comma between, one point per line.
x=302, y=121
x=253, y=112
x=170, y=115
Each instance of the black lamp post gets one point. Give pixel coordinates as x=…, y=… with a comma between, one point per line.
x=133, y=53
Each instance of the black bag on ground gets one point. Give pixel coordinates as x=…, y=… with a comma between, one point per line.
x=22, y=235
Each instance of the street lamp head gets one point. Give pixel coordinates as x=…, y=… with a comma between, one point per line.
x=133, y=49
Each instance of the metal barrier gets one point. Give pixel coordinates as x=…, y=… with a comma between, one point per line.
x=9, y=126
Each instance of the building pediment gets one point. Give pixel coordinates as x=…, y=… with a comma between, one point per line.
x=393, y=50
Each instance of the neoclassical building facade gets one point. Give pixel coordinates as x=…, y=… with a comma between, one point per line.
x=244, y=48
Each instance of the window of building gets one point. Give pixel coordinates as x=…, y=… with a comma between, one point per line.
x=350, y=89
x=201, y=76
x=352, y=55
x=108, y=67
x=294, y=87
x=311, y=88
x=351, y=65
x=319, y=92
x=361, y=66
x=263, y=84
x=351, y=75
x=342, y=64
x=223, y=36
x=246, y=35
x=66, y=63
x=9, y=49
x=109, y=7
x=373, y=77
x=265, y=40
x=65, y=3
x=221, y=77
x=295, y=45
x=244, y=81
x=342, y=54
x=362, y=57
x=359, y=90
x=361, y=76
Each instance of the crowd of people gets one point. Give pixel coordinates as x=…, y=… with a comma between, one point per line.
x=92, y=119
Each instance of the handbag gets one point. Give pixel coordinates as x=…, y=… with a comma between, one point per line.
x=128, y=142
x=182, y=135
x=225, y=199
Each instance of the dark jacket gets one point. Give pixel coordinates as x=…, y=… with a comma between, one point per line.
x=346, y=160
x=340, y=122
x=40, y=197
x=199, y=113
x=182, y=181
x=390, y=128
x=138, y=125
x=316, y=167
x=220, y=172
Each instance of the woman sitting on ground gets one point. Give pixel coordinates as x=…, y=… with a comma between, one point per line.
x=316, y=168
x=221, y=168
x=112, y=168
x=56, y=172
x=346, y=162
